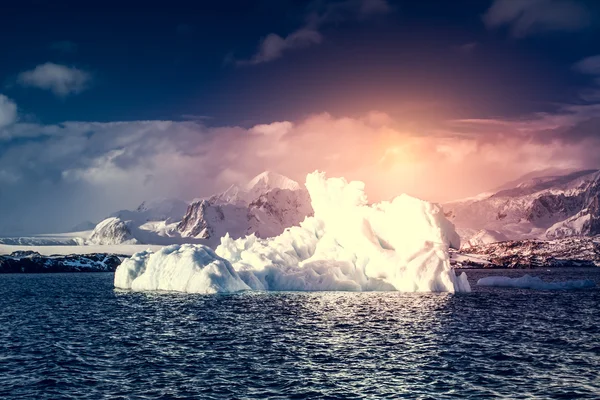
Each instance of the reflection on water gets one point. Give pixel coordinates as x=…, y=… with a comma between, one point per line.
x=73, y=335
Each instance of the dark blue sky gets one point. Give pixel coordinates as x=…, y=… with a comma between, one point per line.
x=167, y=61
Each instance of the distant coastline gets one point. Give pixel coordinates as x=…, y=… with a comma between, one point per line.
x=31, y=262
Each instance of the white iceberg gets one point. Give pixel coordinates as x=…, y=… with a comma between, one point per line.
x=347, y=245
x=182, y=268
x=534, y=282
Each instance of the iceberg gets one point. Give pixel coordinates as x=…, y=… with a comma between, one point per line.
x=348, y=245
x=534, y=282
x=182, y=268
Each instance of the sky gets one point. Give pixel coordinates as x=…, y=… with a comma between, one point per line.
x=104, y=106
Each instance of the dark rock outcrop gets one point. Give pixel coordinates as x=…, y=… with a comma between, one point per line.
x=33, y=262
x=566, y=252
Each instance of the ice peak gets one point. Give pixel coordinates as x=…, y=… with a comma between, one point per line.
x=271, y=180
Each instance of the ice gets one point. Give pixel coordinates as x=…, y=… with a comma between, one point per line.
x=348, y=245
x=182, y=268
x=533, y=282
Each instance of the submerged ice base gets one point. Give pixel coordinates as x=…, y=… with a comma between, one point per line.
x=348, y=245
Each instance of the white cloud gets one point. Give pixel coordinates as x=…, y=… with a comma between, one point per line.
x=59, y=79
x=275, y=129
x=273, y=46
x=8, y=111
x=528, y=17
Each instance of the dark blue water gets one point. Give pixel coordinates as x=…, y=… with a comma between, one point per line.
x=73, y=336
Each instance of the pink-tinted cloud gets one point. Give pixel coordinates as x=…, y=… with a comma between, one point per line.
x=92, y=169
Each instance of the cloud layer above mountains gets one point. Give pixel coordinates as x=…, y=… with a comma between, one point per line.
x=55, y=176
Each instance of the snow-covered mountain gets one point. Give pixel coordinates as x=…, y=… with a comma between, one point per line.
x=266, y=205
x=152, y=222
x=543, y=207
x=113, y=230
x=260, y=184
x=168, y=210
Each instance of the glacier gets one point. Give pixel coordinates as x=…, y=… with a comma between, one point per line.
x=348, y=245
x=534, y=282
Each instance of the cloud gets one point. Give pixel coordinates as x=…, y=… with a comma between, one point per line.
x=55, y=176
x=8, y=111
x=589, y=65
x=591, y=95
x=273, y=46
x=59, y=79
x=64, y=46
x=529, y=17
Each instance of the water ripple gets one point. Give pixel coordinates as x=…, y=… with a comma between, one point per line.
x=73, y=336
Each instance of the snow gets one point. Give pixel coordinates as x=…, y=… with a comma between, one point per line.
x=573, y=226
x=271, y=180
x=347, y=245
x=50, y=239
x=466, y=258
x=545, y=207
x=169, y=210
x=113, y=231
x=121, y=249
x=183, y=268
x=251, y=191
x=533, y=282
x=485, y=236
x=267, y=205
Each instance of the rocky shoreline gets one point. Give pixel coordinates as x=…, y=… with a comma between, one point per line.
x=525, y=254
x=31, y=262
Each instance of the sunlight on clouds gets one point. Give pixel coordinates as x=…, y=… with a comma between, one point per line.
x=120, y=164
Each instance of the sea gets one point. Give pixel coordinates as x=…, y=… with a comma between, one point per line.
x=73, y=336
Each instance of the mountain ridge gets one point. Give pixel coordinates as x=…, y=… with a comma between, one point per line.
x=265, y=206
x=539, y=208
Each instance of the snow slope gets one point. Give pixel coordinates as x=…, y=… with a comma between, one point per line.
x=485, y=236
x=267, y=205
x=347, y=245
x=121, y=249
x=544, y=207
x=153, y=222
x=55, y=239
x=169, y=210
